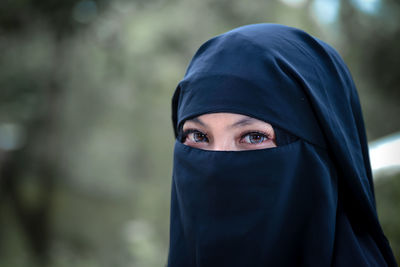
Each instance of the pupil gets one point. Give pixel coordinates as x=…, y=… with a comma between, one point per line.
x=198, y=137
x=256, y=138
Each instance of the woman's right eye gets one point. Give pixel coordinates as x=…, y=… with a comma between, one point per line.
x=195, y=136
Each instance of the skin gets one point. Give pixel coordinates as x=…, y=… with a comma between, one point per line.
x=228, y=132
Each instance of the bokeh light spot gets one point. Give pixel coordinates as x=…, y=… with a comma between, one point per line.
x=294, y=3
x=325, y=11
x=367, y=6
x=12, y=136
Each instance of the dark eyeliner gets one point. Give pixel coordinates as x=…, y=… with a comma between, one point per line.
x=266, y=135
x=185, y=133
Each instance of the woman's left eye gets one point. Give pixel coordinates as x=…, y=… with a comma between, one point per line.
x=254, y=138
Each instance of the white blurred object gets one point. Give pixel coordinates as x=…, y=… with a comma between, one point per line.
x=385, y=155
x=370, y=7
x=294, y=3
x=325, y=11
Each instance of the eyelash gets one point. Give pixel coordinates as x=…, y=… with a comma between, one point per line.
x=189, y=131
x=243, y=135
x=265, y=135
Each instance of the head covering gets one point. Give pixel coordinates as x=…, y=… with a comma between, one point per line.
x=309, y=202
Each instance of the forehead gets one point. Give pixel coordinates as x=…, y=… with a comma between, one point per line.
x=225, y=118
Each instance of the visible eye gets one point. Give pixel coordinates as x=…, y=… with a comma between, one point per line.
x=254, y=138
x=195, y=136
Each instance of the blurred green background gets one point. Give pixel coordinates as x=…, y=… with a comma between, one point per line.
x=85, y=133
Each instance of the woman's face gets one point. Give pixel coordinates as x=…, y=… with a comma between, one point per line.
x=228, y=132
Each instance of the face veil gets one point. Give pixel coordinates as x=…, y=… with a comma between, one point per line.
x=308, y=202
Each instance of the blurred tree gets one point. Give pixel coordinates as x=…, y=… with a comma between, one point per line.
x=37, y=159
x=373, y=54
x=388, y=204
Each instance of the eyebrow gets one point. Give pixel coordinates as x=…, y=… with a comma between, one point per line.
x=242, y=122
x=198, y=121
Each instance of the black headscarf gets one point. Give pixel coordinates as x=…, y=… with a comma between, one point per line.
x=306, y=202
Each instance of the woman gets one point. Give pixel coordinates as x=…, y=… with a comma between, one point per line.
x=271, y=164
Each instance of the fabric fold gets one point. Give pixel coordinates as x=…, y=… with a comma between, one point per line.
x=307, y=202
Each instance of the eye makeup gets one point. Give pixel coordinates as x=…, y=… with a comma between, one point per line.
x=248, y=137
x=197, y=136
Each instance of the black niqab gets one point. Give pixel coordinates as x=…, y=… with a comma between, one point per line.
x=307, y=202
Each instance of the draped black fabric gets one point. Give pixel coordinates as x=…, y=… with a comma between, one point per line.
x=307, y=202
